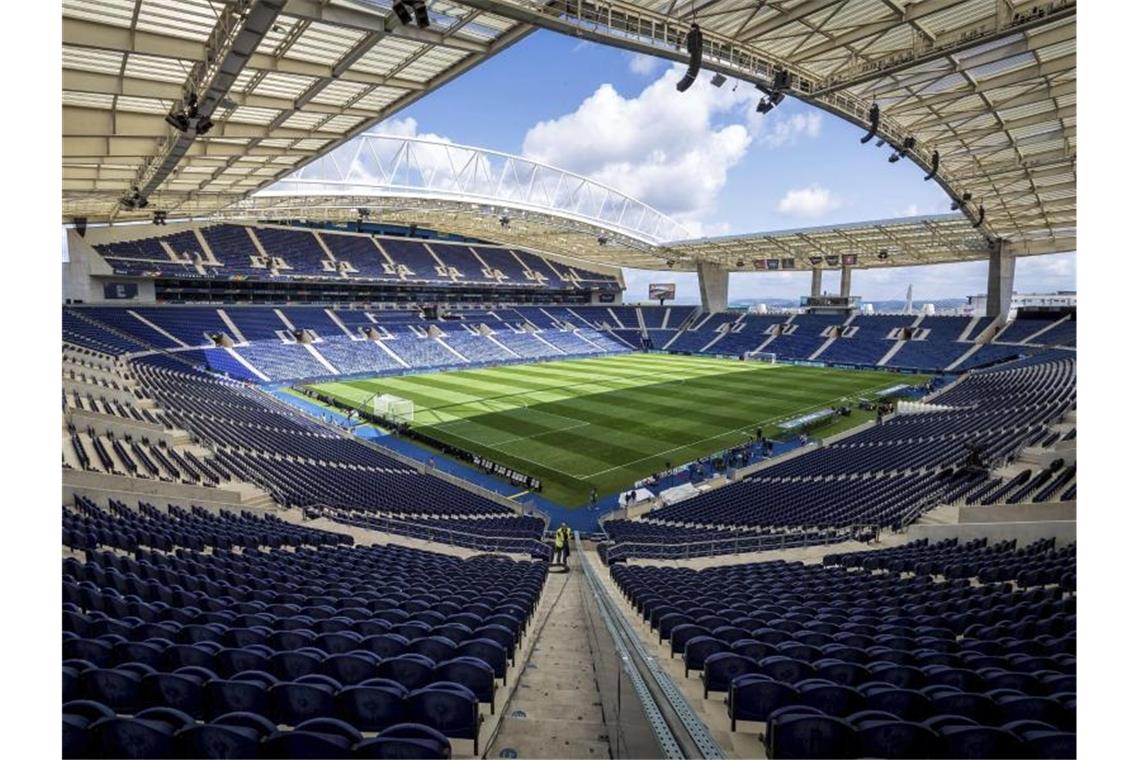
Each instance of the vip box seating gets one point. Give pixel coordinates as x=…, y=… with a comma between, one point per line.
x=286, y=653
x=122, y=455
x=853, y=658
x=913, y=461
x=1054, y=482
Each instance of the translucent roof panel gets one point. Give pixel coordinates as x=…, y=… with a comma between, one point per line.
x=303, y=76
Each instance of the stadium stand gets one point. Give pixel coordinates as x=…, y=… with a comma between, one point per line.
x=889, y=473
x=867, y=654
x=295, y=652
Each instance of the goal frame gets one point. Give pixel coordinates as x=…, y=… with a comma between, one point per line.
x=394, y=408
x=765, y=357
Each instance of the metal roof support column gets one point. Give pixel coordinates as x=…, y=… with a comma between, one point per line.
x=999, y=284
x=845, y=281
x=713, y=280
x=816, y=282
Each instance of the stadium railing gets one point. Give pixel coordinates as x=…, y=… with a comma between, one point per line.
x=735, y=545
x=646, y=715
x=513, y=545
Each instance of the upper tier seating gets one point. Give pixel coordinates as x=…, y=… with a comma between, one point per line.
x=361, y=254
x=299, y=248
x=304, y=257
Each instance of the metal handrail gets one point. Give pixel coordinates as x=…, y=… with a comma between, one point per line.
x=680, y=732
x=467, y=540
x=731, y=545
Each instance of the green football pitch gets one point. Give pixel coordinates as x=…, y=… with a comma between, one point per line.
x=607, y=422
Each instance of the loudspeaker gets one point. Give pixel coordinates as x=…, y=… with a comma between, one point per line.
x=80, y=225
x=694, y=43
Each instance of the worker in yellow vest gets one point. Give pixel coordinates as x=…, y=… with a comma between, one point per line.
x=562, y=544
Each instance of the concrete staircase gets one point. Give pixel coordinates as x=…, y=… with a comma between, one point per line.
x=556, y=710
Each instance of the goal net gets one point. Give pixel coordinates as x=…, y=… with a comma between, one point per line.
x=761, y=356
x=394, y=408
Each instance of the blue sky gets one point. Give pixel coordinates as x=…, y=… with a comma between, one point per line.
x=703, y=156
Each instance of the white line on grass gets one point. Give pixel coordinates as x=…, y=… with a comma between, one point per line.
x=759, y=423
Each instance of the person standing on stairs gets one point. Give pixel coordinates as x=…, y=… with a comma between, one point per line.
x=562, y=545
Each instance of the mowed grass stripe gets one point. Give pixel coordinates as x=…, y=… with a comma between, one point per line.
x=609, y=421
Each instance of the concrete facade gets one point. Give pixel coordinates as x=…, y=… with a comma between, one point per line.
x=713, y=281
x=999, y=281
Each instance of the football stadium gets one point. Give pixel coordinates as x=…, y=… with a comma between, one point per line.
x=376, y=444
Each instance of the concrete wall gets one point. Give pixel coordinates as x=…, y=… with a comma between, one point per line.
x=85, y=274
x=122, y=426
x=101, y=486
x=1011, y=513
x=1065, y=531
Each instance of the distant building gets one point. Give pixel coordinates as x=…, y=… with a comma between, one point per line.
x=1058, y=300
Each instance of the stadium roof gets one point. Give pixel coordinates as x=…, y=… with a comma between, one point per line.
x=282, y=80
x=990, y=86
x=907, y=241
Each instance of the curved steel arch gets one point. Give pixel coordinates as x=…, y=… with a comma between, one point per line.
x=391, y=166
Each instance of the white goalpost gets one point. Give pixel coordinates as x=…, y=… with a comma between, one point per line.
x=767, y=357
x=394, y=408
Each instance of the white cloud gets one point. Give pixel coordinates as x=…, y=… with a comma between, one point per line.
x=775, y=130
x=663, y=147
x=643, y=65
x=808, y=202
